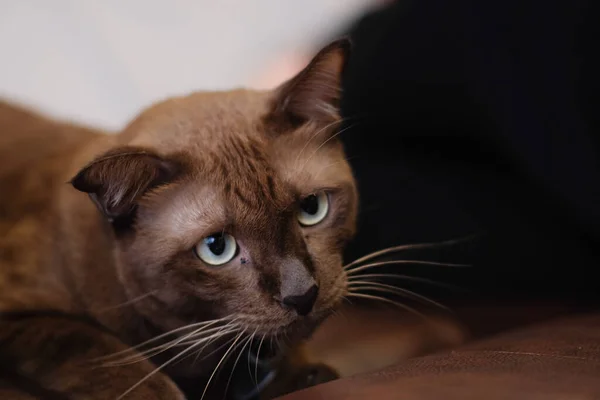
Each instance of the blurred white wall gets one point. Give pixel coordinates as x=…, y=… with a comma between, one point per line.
x=100, y=61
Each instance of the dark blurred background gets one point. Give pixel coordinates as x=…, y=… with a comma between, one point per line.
x=481, y=117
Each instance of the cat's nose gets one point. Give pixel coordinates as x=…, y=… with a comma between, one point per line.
x=303, y=303
x=298, y=289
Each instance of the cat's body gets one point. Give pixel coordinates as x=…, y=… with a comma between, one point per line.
x=83, y=279
x=44, y=268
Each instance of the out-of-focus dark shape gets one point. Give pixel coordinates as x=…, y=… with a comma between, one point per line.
x=474, y=116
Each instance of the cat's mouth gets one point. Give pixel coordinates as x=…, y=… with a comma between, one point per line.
x=272, y=345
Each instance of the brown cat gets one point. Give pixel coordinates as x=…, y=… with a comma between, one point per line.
x=220, y=217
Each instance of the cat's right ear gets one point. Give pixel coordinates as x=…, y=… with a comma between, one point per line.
x=314, y=93
x=116, y=180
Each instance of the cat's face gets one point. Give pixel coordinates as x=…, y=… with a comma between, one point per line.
x=234, y=205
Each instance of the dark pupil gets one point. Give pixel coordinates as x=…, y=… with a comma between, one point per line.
x=310, y=204
x=216, y=244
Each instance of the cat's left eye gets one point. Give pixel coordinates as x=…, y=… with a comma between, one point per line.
x=313, y=209
x=216, y=249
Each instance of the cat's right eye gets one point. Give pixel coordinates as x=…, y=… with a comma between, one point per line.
x=216, y=249
x=313, y=209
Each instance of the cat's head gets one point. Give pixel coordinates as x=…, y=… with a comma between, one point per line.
x=234, y=204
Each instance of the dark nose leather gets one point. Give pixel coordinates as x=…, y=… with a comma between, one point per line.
x=304, y=303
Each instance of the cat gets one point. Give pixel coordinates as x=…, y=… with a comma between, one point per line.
x=218, y=217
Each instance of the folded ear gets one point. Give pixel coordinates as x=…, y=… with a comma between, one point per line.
x=314, y=93
x=116, y=180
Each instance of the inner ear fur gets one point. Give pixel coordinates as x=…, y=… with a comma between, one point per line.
x=314, y=93
x=116, y=180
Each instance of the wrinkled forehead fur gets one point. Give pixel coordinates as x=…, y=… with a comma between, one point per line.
x=233, y=156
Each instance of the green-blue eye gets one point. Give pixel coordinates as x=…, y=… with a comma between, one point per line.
x=313, y=209
x=216, y=249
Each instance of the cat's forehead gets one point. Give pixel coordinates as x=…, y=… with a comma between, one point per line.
x=225, y=140
x=200, y=121
x=225, y=133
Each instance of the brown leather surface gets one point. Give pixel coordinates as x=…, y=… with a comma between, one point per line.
x=559, y=359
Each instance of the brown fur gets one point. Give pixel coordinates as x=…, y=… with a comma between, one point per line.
x=237, y=161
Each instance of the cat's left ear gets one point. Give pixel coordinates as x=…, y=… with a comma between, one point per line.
x=117, y=180
x=314, y=93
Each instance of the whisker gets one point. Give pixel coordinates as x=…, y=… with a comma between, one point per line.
x=325, y=142
x=382, y=287
x=398, y=262
x=193, y=337
x=250, y=351
x=219, y=363
x=404, y=247
x=319, y=172
x=156, y=338
x=384, y=300
x=286, y=338
x=314, y=136
x=199, y=352
x=278, y=342
x=235, y=364
x=136, y=349
x=159, y=368
x=340, y=122
x=144, y=356
x=271, y=339
x=207, y=341
x=405, y=277
x=258, y=358
x=128, y=302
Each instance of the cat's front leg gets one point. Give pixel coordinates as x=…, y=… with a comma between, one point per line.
x=54, y=356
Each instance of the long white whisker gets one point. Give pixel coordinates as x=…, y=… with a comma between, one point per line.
x=404, y=247
x=384, y=300
x=219, y=364
x=163, y=347
x=249, y=353
x=156, y=338
x=160, y=349
x=395, y=290
x=257, y=359
x=325, y=142
x=199, y=353
x=205, y=356
x=127, y=303
x=314, y=136
x=159, y=368
x=398, y=262
x=237, y=359
x=404, y=277
x=319, y=172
